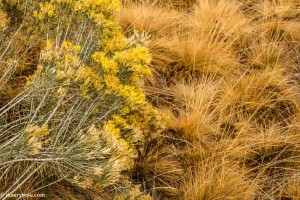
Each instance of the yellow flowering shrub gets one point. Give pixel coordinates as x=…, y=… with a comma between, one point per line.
x=3, y=17
x=80, y=114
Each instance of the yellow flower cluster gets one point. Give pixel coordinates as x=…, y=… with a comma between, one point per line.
x=39, y=132
x=47, y=9
x=67, y=61
x=136, y=59
x=35, y=135
x=137, y=55
x=88, y=79
x=112, y=83
x=133, y=95
x=69, y=69
x=126, y=153
x=121, y=121
x=98, y=10
x=120, y=152
x=113, y=40
x=3, y=17
x=108, y=65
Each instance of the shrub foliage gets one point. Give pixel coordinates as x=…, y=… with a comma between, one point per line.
x=71, y=105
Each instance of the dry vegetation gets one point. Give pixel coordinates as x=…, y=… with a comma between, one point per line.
x=227, y=74
x=82, y=117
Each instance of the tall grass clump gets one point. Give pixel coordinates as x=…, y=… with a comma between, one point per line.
x=227, y=74
x=72, y=114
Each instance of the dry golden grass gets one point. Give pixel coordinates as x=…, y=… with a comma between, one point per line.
x=147, y=17
x=223, y=181
x=227, y=74
x=159, y=169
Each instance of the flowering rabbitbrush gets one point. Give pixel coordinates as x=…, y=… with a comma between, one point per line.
x=77, y=112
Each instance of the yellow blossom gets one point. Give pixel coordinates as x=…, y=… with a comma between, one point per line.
x=35, y=134
x=108, y=65
x=113, y=43
x=134, y=96
x=121, y=121
x=111, y=128
x=46, y=9
x=138, y=55
x=34, y=130
x=69, y=46
x=88, y=78
x=112, y=82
